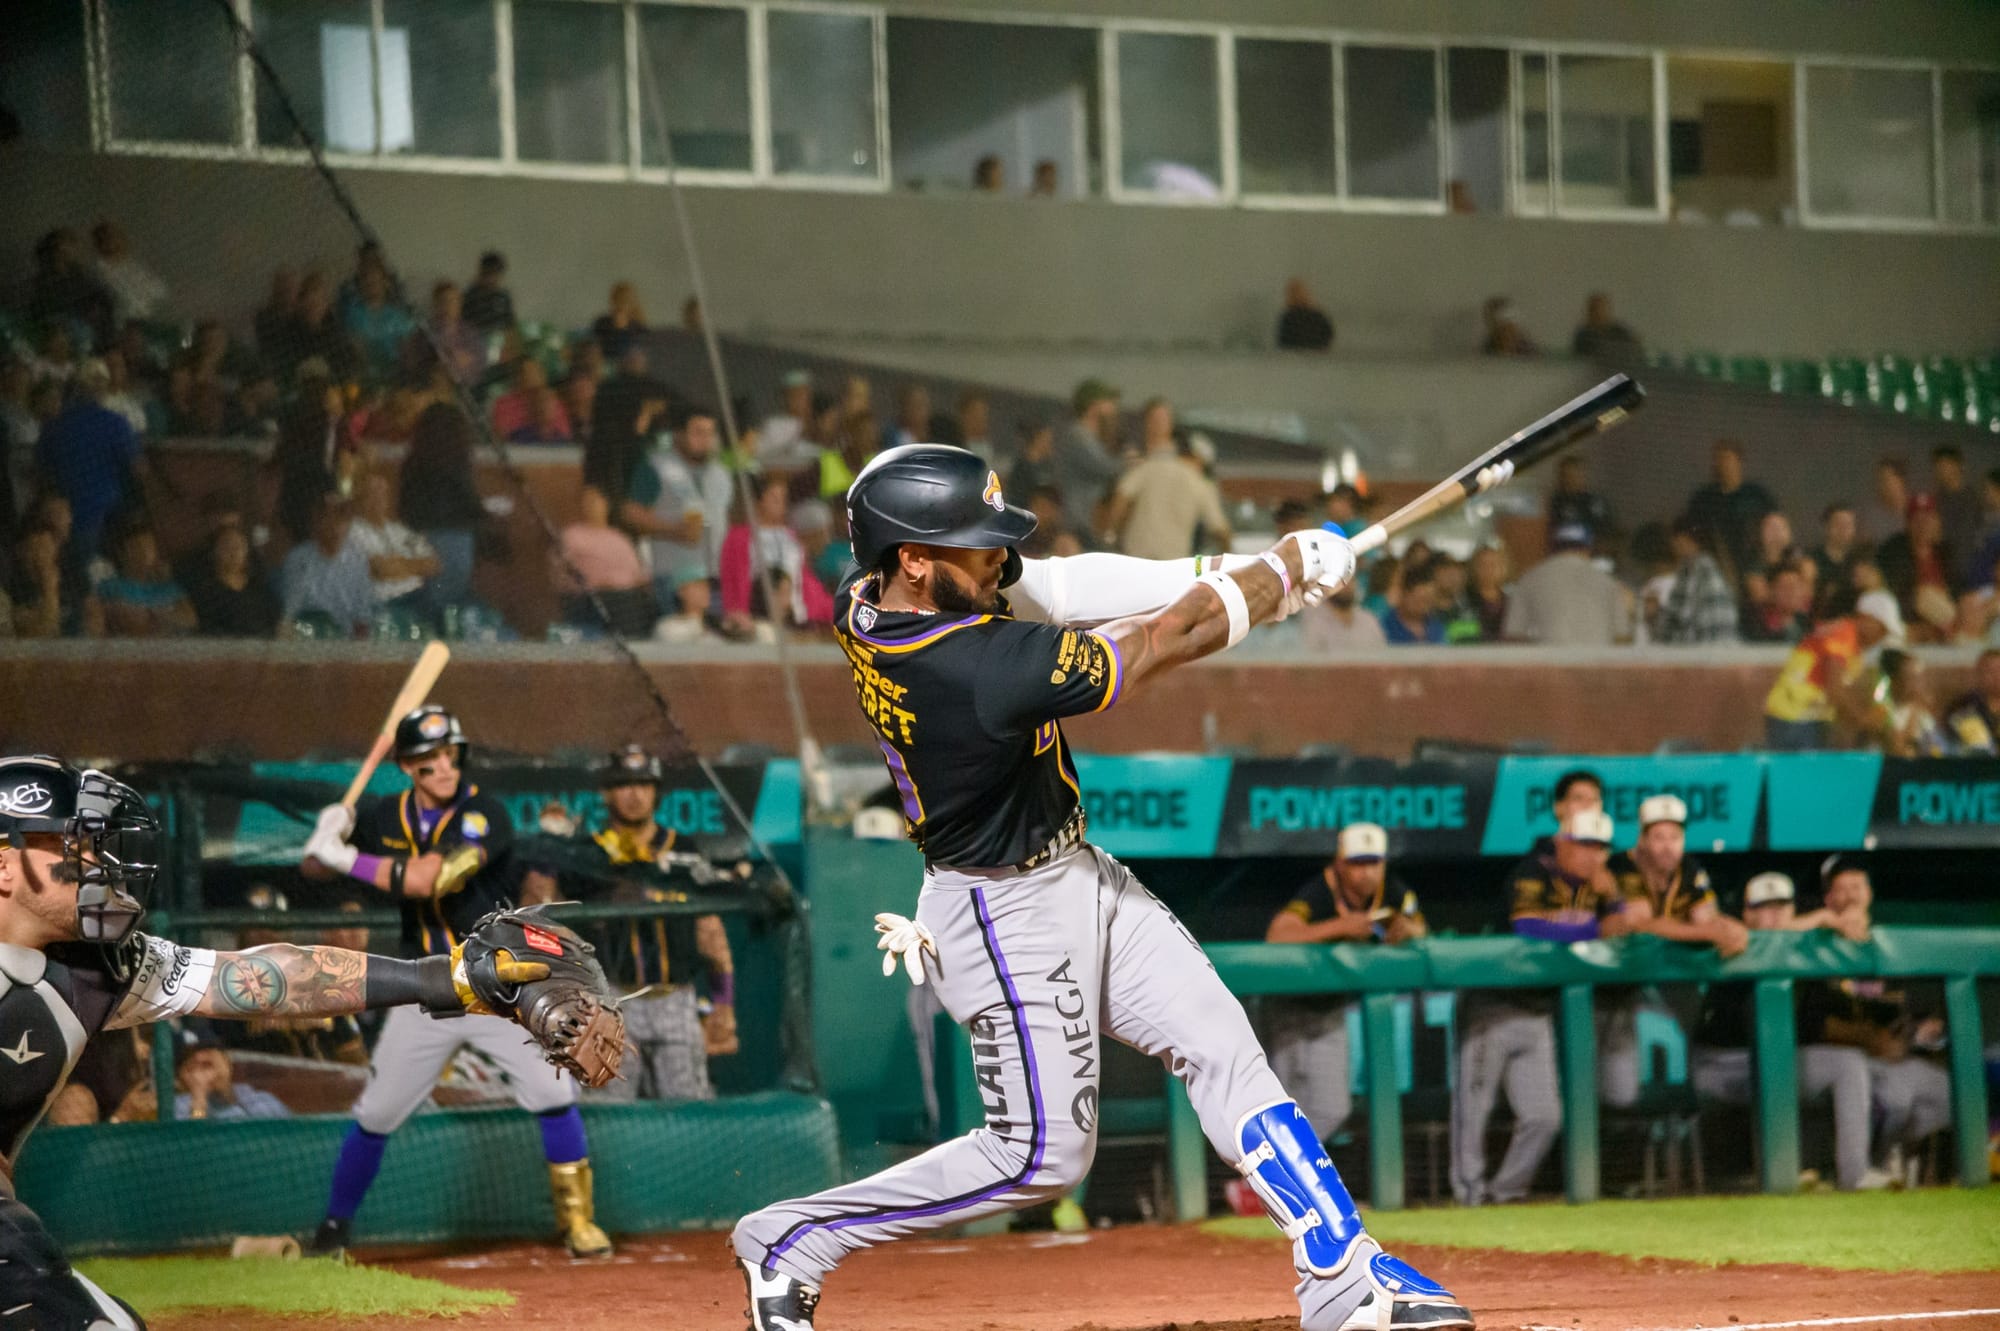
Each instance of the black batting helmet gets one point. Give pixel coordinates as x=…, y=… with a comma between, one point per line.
x=109, y=837
x=631, y=766
x=933, y=494
x=428, y=728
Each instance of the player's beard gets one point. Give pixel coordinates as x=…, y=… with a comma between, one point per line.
x=948, y=596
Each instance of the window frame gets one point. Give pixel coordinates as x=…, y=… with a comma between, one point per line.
x=243, y=146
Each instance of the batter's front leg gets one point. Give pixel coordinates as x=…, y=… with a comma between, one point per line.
x=1163, y=997
x=1018, y=963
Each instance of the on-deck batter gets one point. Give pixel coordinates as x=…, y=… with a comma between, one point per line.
x=1036, y=940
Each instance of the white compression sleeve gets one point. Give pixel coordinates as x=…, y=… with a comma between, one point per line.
x=1084, y=590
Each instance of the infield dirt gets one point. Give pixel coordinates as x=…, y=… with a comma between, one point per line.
x=1148, y=1279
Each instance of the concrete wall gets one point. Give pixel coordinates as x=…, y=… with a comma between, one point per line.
x=1011, y=269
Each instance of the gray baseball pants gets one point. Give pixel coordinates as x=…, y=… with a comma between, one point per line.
x=414, y=1048
x=1309, y=1052
x=1832, y=1070
x=1040, y=965
x=1515, y=1049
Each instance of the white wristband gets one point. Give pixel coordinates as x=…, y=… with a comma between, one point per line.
x=1232, y=602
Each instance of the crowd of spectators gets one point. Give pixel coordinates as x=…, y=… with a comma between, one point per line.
x=378, y=521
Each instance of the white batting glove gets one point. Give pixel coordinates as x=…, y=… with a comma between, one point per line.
x=905, y=939
x=1329, y=564
x=1493, y=477
x=328, y=842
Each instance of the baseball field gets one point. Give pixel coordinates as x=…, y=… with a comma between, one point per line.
x=1900, y=1261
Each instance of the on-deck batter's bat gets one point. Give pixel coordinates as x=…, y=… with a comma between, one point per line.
x=416, y=687
x=1599, y=409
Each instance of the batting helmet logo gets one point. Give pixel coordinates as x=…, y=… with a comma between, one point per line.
x=992, y=493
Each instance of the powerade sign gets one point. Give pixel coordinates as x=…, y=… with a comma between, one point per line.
x=769, y=793
x=1937, y=804
x=1164, y=806
x=1721, y=791
x=1297, y=808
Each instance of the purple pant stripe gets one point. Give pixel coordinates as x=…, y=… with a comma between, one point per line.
x=1038, y=1134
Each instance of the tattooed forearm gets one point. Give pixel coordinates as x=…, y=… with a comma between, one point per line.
x=1198, y=623
x=286, y=981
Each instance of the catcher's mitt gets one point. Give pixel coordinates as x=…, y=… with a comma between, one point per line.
x=538, y=974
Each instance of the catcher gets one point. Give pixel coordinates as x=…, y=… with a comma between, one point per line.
x=654, y=961
x=444, y=852
x=77, y=863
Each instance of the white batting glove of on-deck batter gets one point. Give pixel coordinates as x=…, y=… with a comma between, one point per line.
x=906, y=939
x=328, y=842
x=1328, y=558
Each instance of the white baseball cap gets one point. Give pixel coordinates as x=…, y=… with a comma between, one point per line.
x=1363, y=841
x=1662, y=809
x=1588, y=825
x=1767, y=888
x=1881, y=606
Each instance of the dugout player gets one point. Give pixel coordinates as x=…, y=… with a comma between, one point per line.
x=1837, y=1073
x=1667, y=892
x=965, y=659
x=77, y=862
x=1349, y=901
x=444, y=853
x=1507, y=1038
x=655, y=960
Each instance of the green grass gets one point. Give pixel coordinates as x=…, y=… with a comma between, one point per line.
x=1941, y=1230
x=165, y=1284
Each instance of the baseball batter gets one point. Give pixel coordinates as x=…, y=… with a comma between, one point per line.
x=443, y=851
x=1036, y=940
x=77, y=863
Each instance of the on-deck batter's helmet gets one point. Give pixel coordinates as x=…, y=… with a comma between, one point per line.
x=933, y=494
x=428, y=728
x=632, y=765
x=109, y=837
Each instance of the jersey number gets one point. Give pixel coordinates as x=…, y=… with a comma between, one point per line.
x=913, y=808
x=1045, y=737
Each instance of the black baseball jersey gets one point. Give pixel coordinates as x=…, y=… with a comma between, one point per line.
x=640, y=952
x=52, y=1002
x=1317, y=901
x=1689, y=889
x=393, y=825
x=967, y=710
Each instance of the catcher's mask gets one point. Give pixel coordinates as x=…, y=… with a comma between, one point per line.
x=110, y=839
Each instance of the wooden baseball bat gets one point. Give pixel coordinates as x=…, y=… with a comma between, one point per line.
x=416, y=687
x=1599, y=409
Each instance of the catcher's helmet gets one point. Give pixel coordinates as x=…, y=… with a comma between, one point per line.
x=631, y=766
x=109, y=837
x=429, y=727
x=933, y=494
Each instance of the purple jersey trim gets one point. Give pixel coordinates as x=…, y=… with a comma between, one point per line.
x=1038, y=1123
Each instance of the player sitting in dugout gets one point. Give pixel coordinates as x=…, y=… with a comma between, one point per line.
x=654, y=961
x=78, y=856
x=1351, y=900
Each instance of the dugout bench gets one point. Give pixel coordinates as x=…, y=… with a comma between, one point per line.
x=1381, y=975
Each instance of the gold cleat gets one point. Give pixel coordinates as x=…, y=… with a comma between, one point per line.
x=570, y=1189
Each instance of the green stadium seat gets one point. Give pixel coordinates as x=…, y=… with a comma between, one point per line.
x=1704, y=363
x=1844, y=378
x=1797, y=377
x=1750, y=371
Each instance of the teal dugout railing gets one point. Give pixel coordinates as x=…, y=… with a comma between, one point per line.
x=1381, y=977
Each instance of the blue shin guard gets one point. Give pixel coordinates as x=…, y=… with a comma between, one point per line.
x=1288, y=1169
